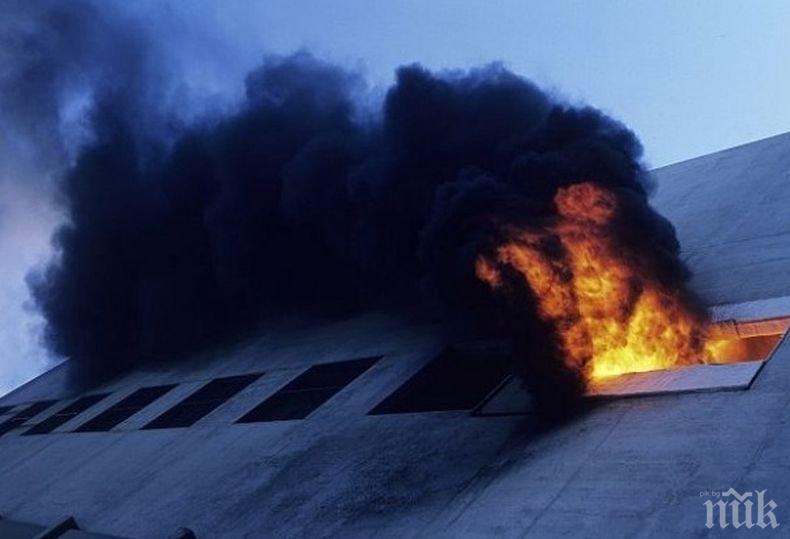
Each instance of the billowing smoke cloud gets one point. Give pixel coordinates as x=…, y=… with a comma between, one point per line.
x=183, y=235
x=39, y=93
x=57, y=58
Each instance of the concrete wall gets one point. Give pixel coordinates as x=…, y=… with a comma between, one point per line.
x=628, y=468
x=337, y=470
x=730, y=211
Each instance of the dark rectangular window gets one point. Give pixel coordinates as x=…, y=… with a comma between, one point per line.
x=455, y=380
x=66, y=414
x=202, y=402
x=27, y=413
x=124, y=409
x=305, y=393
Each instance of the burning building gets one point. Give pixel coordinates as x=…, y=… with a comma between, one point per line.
x=382, y=425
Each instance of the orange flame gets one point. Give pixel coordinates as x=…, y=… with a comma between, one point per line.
x=611, y=318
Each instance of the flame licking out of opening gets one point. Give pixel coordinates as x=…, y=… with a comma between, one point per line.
x=609, y=314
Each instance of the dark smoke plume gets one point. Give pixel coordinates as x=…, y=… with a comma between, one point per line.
x=304, y=201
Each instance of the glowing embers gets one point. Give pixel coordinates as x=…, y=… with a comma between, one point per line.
x=688, y=379
x=754, y=351
x=741, y=347
x=737, y=370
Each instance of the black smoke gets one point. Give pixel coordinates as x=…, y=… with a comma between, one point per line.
x=307, y=200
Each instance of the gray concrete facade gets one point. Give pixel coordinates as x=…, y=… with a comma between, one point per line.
x=627, y=468
x=730, y=211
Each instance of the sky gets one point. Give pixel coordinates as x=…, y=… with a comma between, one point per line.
x=688, y=77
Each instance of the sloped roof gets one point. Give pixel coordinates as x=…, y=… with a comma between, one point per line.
x=627, y=468
x=731, y=211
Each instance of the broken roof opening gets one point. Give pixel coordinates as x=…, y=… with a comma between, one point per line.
x=124, y=409
x=66, y=414
x=308, y=391
x=27, y=413
x=457, y=379
x=202, y=402
x=758, y=337
x=758, y=340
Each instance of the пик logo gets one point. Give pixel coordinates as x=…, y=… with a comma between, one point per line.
x=741, y=510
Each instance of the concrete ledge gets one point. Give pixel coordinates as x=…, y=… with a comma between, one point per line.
x=694, y=379
x=509, y=398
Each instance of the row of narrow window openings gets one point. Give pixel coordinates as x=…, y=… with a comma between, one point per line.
x=24, y=415
x=455, y=380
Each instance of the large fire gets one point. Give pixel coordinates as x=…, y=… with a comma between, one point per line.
x=610, y=315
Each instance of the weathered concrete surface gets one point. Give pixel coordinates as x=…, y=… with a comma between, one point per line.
x=730, y=211
x=637, y=467
x=694, y=378
x=630, y=468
